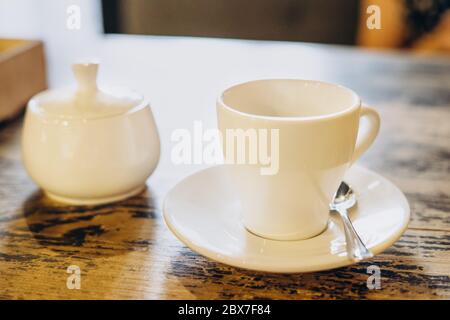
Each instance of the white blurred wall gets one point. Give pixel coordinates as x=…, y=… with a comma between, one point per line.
x=46, y=20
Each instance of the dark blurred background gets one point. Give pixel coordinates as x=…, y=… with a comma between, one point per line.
x=415, y=24
x=322, y=21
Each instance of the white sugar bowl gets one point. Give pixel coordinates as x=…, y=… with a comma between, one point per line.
x=89, y=146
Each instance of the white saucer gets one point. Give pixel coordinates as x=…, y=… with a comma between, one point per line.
x=203, y=212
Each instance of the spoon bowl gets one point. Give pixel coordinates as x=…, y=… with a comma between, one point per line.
x=344, y=197
x=343, y=200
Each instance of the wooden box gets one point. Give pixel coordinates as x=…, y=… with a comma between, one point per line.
x=22, y=74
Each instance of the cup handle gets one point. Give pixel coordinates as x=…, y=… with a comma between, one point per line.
x=367, y=135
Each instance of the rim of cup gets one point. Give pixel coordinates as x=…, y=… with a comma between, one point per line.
x=356, y=101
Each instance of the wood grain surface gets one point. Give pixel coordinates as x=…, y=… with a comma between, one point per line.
x=125, y=251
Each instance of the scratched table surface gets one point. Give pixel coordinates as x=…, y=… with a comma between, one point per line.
x=125, y=251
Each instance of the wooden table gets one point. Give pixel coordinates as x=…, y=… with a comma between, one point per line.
x=125, y=250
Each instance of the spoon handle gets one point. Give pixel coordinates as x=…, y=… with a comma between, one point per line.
x=355, y=247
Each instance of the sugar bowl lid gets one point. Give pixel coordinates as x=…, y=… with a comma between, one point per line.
x=87, y=101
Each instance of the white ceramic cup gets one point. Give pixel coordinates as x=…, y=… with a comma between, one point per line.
x=320, y=136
